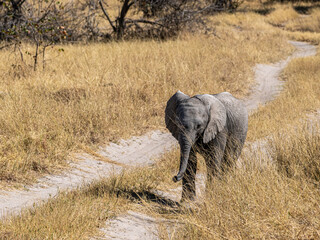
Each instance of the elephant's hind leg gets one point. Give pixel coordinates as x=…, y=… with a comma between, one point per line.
x=213, y=156
x=215, y=153
x=232, y=152
x=188, y=180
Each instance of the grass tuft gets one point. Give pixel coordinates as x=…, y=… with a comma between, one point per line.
x=281, y=15
x=298, y=155
x=306, y=23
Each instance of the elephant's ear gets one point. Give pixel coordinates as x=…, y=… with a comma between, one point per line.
x=170, y=112
x=217, y=117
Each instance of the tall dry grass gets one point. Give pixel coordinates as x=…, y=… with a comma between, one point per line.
x=253, y=201
x=300, y=27
x=281, y=15
x=80, y=213
x=305, y=28
x=298, y=155
x=92, y=94
x=306, y=23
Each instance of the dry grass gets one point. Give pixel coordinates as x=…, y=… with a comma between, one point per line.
x=92, y=94
x=311, y=37
x=305, y=28
x=251, y=202
x=80, y=213
x=307, y=23
x=281, y=15
x=300, y=27
x=71, y=216
x=298, y=154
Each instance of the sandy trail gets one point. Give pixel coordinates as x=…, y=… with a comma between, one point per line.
x=267, y=77
x=133, y=226
x=136, y=151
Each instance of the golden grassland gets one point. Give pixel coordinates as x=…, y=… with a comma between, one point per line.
x=282, y=14
x=306, y=28
x=301, y=27
x=277, y=200
x=96, y=93
x=78, y=214
x=307, y=23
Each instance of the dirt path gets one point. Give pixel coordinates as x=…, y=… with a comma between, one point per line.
x=131, y=226
x=137, y=151
x=267, y=76
x=134, y=152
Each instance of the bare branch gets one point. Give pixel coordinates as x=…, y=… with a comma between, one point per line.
x=143, y=21
x=46, y=12
x=134, y=24
x=130, y=4
x=5, y=46
x=107, y=16
x=19, y=3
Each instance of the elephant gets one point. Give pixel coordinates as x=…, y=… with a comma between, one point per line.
x=213, y=125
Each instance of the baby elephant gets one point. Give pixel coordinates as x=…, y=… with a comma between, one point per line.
x=214, y=126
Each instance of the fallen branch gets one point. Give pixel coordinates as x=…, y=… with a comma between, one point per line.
x=143, y=21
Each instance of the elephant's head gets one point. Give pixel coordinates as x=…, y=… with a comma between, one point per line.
x=191, y=118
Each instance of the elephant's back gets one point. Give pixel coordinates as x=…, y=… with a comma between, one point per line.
x=231, y=103
x=237, y=115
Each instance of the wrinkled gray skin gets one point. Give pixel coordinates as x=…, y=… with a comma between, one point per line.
x=214, y=126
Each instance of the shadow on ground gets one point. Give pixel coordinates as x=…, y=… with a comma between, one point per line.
x=152, y=197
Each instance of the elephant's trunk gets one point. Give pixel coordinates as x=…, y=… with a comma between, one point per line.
x=185, y=147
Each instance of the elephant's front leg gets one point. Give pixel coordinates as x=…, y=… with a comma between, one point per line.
x=188, y=180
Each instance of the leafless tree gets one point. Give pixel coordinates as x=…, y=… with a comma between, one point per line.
x=46, y=22
x=162, y=18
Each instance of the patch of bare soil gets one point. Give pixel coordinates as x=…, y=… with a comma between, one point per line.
x=141, y=226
